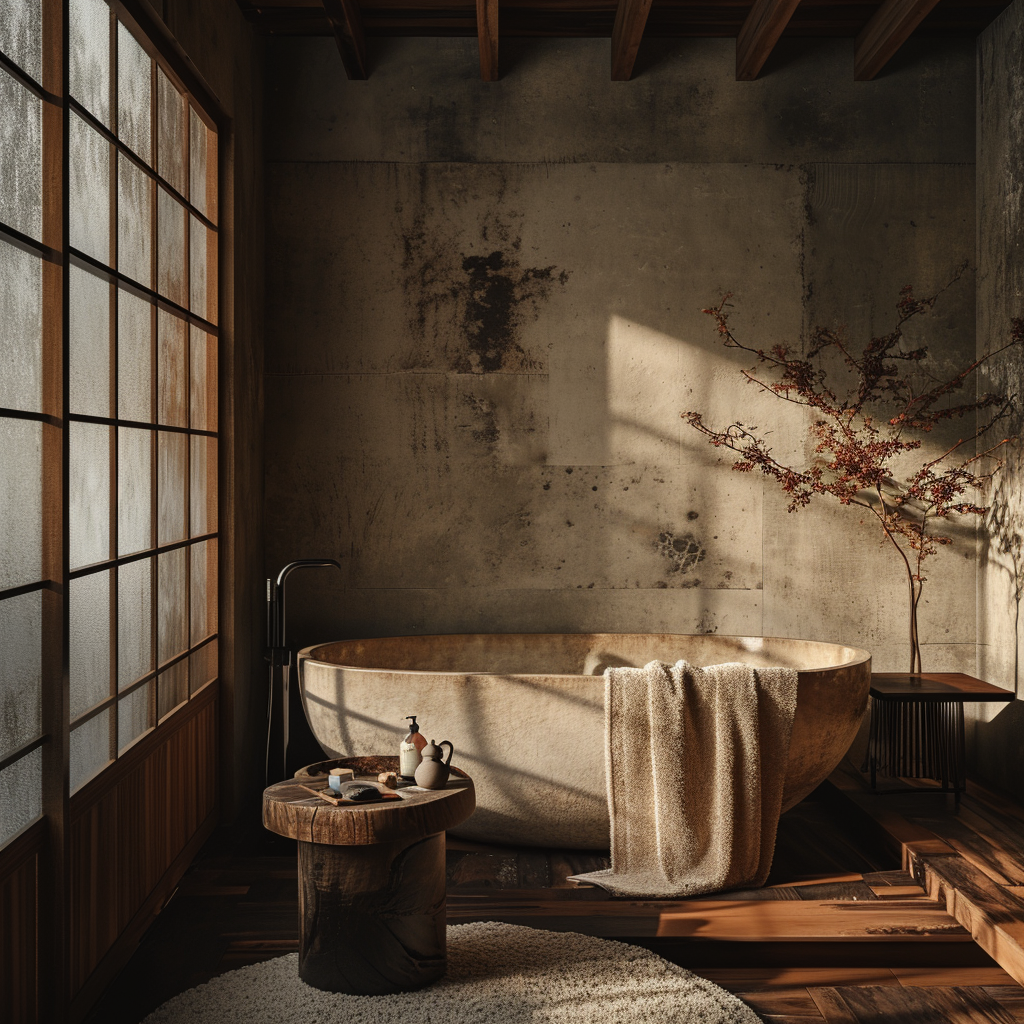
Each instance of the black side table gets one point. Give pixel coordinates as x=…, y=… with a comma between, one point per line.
x=917, y=725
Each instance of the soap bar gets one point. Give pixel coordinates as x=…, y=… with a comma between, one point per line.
x=345, y=774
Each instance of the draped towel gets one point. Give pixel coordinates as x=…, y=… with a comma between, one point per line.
x=696, y=762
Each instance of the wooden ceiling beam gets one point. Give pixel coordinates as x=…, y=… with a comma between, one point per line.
x=348, y=34
x=630, y=20
x=889, y=28
x=487, y=37
x=760, y=32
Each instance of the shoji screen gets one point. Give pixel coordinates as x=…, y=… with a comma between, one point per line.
x=108, y=483
x=142, y=441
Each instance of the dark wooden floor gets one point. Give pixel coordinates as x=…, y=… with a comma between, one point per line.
x=237, y=905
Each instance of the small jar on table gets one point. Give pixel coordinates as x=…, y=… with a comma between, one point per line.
x=371, y=878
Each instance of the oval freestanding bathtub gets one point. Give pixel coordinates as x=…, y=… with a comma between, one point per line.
x=525, y=713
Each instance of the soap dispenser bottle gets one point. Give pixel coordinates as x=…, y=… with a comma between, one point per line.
x=409, y=753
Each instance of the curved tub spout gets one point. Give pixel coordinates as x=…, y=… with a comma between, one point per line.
x=278, y=654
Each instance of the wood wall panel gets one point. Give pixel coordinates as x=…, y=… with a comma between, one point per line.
x=94, y=866
x=19, y=928
x=129, y=833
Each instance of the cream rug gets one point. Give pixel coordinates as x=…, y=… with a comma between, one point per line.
x=497, y=974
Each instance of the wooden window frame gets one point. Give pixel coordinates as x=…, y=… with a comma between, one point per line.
x=45, y=843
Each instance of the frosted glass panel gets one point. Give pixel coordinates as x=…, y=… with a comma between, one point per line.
x=134, y=716
x=171, y=258
x=89, y=56
x=89, y=614
x=133, y=92
x=134, y=621
x=21, y=794
x=21, y=35
x=89, y=190
x=172, y=687
x=21, y=328
x=90, y=343
x=202, y=666
x=134, y=358
x=134, y=235
x=21, y=671
x=89, y=472
x=134, y=482
x=172, y=382
x=172, y=605
x=203, y=485
x=171, y=450
x=197, y=152
x=21, y=502
x=21, y=157
x=197, y=270
x=203, y=400
x=204, y=590
x=90, y=749
x=171, y=140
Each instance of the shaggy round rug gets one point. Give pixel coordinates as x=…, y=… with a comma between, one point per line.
x=497, y=974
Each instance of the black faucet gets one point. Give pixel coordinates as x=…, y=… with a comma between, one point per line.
x=278, y=654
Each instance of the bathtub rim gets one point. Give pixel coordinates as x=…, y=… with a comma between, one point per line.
x=859, y=654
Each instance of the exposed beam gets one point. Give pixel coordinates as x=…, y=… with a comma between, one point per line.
x=760, y=33
x=630, y=19
x=885, y=33
x=487, y=36
x=348, y=34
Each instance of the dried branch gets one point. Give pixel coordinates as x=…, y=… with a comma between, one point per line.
x=858, y=452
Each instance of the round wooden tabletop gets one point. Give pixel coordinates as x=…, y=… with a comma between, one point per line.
x=292, y=811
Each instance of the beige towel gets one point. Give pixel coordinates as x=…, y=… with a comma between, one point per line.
x=696, y=762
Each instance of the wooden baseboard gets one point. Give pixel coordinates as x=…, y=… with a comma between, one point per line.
x=121, y=952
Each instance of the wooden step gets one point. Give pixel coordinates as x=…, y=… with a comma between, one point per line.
x=971, y=861
x=869, y=933
x=813, y=921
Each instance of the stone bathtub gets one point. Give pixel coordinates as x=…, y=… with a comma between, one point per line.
x=526, y=714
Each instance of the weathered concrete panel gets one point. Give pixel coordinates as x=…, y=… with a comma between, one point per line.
x=425, y=102
x=322, y=607
x=519, y=268
x=998, y=749
x=397, y=471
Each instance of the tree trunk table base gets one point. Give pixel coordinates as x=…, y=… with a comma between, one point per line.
x=372, y=917
x=371, y=882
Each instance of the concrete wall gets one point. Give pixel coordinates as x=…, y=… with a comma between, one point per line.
x=998, y=750
x=483, y=321
x=229, y=57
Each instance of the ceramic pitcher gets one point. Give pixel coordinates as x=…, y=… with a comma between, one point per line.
x=432, y=772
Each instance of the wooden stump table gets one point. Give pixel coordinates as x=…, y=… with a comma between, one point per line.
x=371, y=878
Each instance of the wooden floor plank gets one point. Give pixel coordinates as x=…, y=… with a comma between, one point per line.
x=976, y=849
x=893, y=1005
x=832, y=1006
x=953, y=976
x=898, y=892
x=818, y=921
x=1009, y=997
x=755, y=979
x=980, y=1006
x=792, y=1001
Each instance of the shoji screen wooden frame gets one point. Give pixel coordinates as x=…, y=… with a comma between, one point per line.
x=80, y=884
